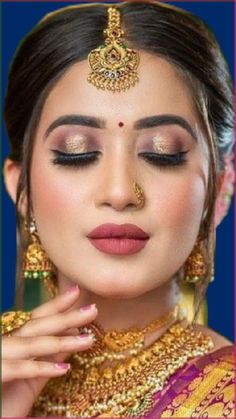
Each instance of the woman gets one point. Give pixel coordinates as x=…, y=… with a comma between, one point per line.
x=120, y=125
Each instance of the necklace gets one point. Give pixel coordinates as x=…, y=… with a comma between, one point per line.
x=127, y=389
x=111, y=344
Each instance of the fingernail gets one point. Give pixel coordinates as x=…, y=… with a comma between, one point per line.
x=89, y=307
x=72, y=289
x=84, y=336
x=62, y=366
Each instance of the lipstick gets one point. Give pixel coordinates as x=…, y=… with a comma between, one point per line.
x=124, y=239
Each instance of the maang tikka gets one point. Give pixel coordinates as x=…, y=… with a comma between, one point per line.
x=113, y=65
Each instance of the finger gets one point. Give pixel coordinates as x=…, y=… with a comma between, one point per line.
x=57, y=305
x=21, y=369
x=27, y=347
x=56, y=324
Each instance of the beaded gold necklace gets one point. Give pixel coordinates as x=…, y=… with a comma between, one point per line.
x=126, y=389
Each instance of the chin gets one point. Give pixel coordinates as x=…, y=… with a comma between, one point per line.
x=116, y=288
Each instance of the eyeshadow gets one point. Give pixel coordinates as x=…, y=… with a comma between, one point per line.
x=159, y=146
x=75, y=144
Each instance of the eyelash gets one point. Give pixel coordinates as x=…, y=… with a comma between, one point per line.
x=165, y=160
x=84, y=159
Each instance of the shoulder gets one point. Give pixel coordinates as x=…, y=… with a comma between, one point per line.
x=222, y=352
x=205, y=387
x=218, y=340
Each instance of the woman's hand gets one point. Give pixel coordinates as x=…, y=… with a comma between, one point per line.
x=36, y=352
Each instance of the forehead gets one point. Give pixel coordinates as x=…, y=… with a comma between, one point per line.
x=160, y=90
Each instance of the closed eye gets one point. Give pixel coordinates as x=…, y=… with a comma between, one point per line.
x=72, y=159
x=162, y=159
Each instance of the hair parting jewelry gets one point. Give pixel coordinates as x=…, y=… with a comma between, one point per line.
x=113, y=65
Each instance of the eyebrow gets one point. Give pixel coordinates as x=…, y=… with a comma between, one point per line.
x=84, y=120
x=148, y=122
x=165, y=119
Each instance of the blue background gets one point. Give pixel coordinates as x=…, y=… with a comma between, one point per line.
x=17, y=19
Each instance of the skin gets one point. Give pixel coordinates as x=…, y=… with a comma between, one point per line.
x=174, y=196
x=67, y=203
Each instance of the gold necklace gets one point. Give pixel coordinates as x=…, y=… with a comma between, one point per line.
x=112, y=343
x=122, y=339
x=127, y=389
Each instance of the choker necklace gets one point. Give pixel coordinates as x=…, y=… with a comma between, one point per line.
x=112, y=344
x=127, y=389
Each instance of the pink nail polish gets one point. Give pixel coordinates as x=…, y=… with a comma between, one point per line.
x=72, y=289
x=83, y=336
x=62, y=366
x=87, y=308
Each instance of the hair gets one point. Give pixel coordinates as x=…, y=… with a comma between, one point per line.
x=67, y=36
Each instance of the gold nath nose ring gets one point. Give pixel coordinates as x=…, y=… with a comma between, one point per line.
x=139, y=195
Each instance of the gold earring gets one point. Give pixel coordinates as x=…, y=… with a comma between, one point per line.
x=139, y=195
x=36, y=264
x=195, y=267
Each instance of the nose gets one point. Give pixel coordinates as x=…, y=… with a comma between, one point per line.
x=116, y=186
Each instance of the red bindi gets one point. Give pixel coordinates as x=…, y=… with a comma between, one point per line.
x=121, y=124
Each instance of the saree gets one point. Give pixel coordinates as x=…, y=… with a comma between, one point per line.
x=201, y=389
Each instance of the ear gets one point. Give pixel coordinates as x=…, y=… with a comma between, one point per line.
x=12, y=171
x=219, y=181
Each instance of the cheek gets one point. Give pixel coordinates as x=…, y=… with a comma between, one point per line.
x=180, y=202
x=58, y=198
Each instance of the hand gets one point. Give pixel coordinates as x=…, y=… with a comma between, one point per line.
x=36, y=352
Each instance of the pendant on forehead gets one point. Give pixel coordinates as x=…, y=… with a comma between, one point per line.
x=113, y=66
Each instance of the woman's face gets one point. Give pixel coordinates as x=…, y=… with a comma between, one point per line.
x=70, y=200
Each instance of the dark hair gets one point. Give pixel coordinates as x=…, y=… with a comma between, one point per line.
x=67, y=36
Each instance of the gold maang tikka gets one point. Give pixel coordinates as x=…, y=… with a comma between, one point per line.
x=113, y=64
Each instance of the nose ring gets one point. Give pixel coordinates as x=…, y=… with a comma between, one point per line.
x=139, y=195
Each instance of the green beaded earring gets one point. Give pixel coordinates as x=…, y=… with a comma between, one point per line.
x=36, y=264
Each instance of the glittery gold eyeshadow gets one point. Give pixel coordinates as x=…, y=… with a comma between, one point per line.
x=160, y=145
x=164, y=145
x=75, y=144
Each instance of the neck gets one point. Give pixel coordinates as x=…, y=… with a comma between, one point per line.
x=118, y=314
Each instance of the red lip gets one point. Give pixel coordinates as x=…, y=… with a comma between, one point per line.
x=118, y=239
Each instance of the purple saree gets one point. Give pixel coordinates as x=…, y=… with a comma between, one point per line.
x=201, y=389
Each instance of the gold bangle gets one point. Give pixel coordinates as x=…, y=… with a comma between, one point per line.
x=12, y=320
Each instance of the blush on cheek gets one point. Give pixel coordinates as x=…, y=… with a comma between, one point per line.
x=47, y=199
x=181, y=204
x=55, y=201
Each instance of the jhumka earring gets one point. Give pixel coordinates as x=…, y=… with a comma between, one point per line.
x=36, y=264
x=139, y=195
x=113, y=65
x=195, y=267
